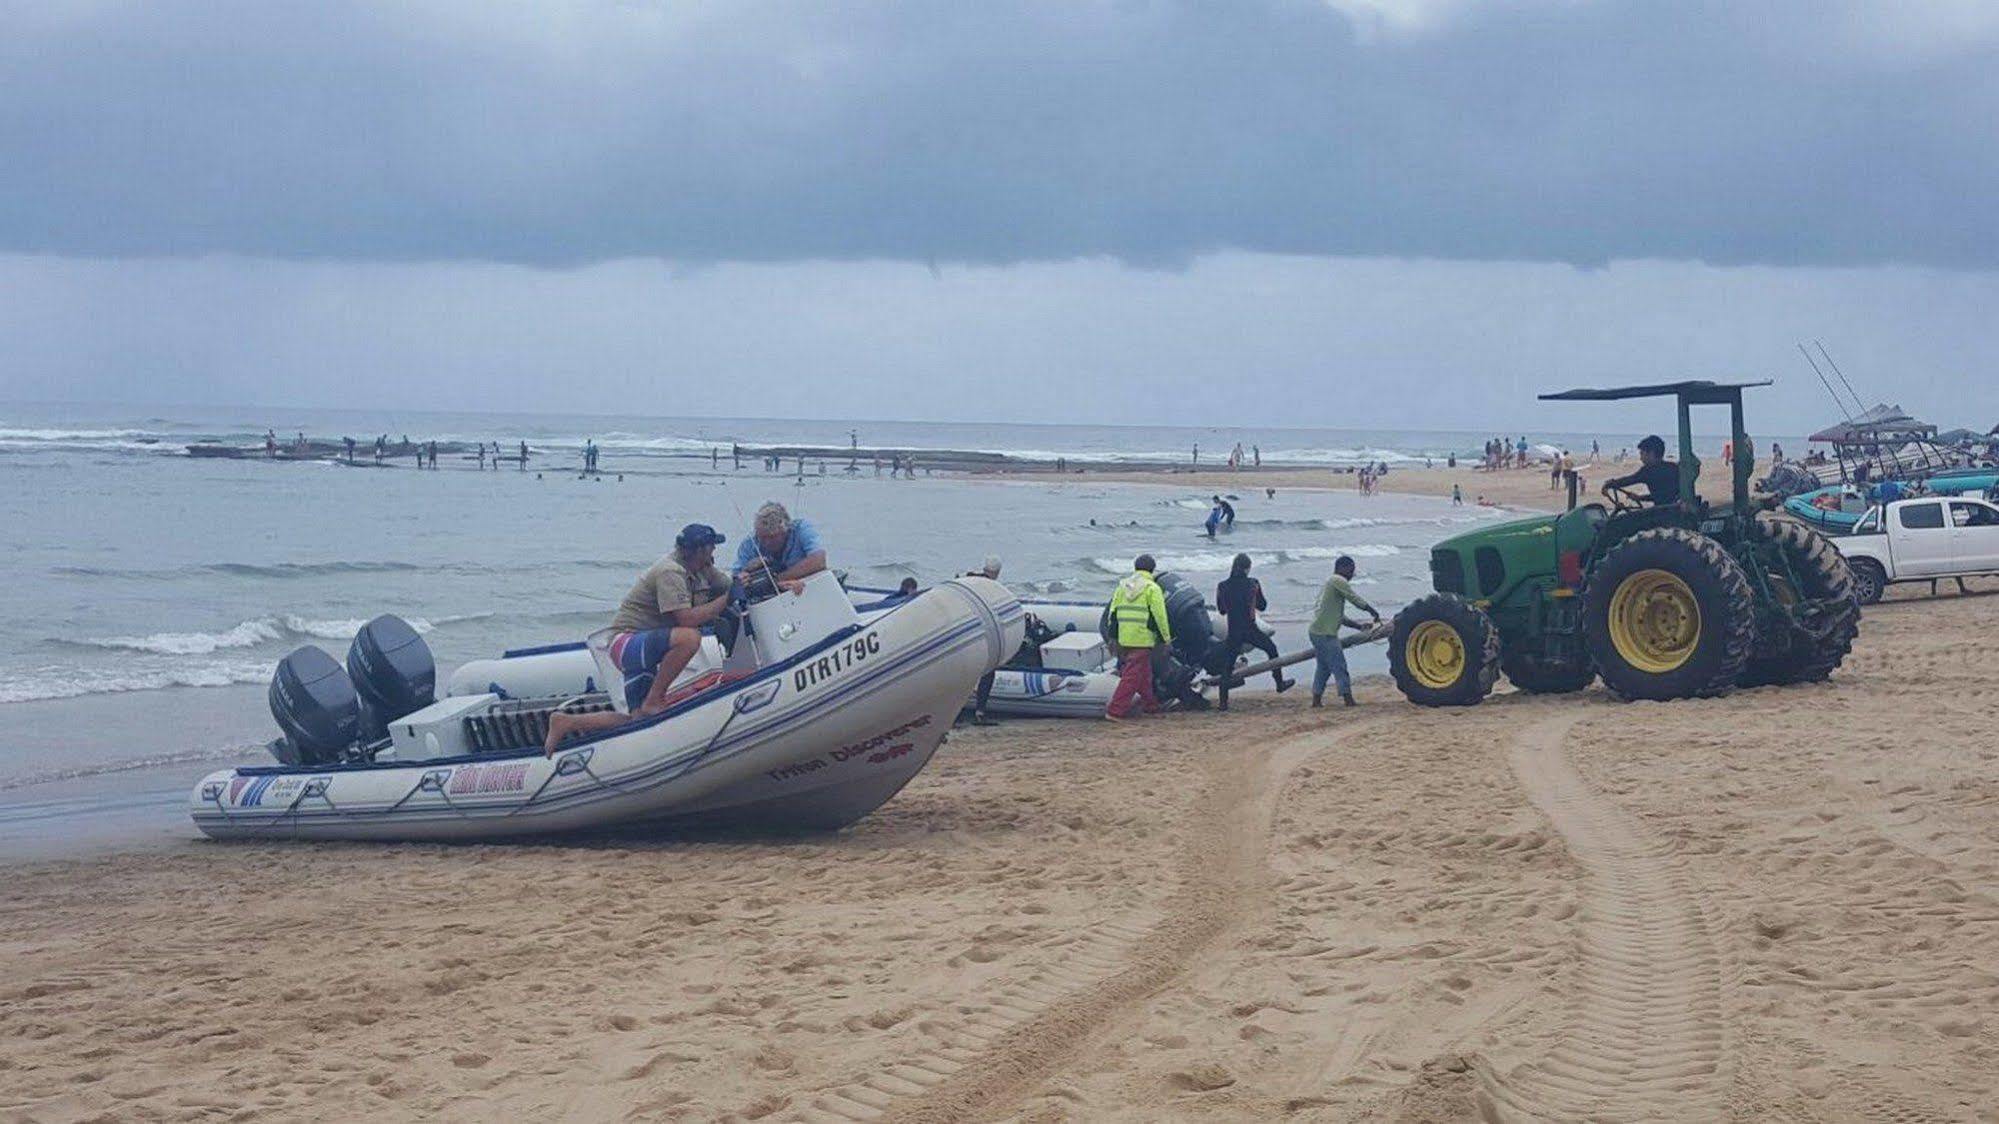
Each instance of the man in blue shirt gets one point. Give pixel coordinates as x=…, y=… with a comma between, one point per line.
x=791, y=546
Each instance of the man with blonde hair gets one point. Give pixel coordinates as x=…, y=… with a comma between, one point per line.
x=790, y=547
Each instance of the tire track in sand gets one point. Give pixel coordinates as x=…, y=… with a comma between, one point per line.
x=977, y=1068
x=1645, y=1039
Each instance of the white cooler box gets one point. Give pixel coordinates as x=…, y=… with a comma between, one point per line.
x=1074, y=651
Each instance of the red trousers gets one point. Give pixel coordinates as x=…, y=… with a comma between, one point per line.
x=1134, y=684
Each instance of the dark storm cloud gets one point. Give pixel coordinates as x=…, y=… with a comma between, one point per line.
x=1783, y=131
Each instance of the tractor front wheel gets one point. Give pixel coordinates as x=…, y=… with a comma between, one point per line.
x=1669, y=615
x=1443, y=651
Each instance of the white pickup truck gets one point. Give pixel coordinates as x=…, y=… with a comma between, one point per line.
x=1928, y=539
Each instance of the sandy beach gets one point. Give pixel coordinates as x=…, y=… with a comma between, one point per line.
x=1779, y=905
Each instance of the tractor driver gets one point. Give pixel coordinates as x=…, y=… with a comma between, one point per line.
x=1659, y=476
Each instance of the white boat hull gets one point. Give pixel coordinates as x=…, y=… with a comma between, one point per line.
x=813, y=742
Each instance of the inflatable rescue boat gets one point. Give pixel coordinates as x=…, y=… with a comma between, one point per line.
x=818, y=715
x=1063, y=667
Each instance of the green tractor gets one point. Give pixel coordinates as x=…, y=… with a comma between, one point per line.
x=1673, y=601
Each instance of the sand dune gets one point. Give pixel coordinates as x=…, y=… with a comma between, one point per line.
x=1783, y=905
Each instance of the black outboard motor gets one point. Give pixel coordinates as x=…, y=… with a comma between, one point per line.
x=393, y=673
x=315, y=705
x=1187, y=610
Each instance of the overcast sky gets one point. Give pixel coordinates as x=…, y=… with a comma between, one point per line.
x=1371, y=213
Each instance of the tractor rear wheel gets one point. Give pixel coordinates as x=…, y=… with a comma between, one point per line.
x=1801, y=655
x=1443, y=651
x=1539, y=675
x=1669, y=615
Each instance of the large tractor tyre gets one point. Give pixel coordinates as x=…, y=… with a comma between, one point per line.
x=1669, y=615
x=1539, y=675
x=1443, y=651
x=1870, y=581
x=1828, y=584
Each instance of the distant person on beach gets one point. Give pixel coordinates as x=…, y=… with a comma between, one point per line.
x=482, y=455
x=657, y=630
x=1138, y=617
x=790, y=546
x=1658, y=476
x=381, y=446
x=1197, y=452
x=524, y=456
x=1457, y=496
x=1325, y=631
x=1256, y=455
x=1061, y=464
x=350, y=449
x=1239, y=598
x=433, y=455
x=270, y=443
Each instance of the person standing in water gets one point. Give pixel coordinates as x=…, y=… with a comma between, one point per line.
x=1239, y=598
x=1325, y=631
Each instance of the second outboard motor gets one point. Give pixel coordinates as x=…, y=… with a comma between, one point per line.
x=393, y=673
x=315, y=705
x=1187, y=610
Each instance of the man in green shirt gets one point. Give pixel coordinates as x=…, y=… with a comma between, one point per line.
x=1325, y=631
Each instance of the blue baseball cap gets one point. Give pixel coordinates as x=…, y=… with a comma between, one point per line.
x=697, y=535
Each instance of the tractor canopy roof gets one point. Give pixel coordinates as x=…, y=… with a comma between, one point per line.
x=1696, y=390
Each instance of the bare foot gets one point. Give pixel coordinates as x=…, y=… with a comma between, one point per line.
x=558, y=730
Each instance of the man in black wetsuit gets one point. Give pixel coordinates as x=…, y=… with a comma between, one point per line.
x=1659, y=476
x=1238, y=598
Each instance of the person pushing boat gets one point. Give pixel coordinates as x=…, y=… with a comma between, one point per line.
x=1238, y=598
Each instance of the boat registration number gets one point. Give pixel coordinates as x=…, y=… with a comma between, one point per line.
x=854, y=651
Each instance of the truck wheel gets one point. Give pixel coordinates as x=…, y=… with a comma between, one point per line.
x=1443, y=651
x=1824, y=585
x=1669, y=615
x=1869, y=580
x=1540, y=675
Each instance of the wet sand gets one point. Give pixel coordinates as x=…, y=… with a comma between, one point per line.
x=1783, y=905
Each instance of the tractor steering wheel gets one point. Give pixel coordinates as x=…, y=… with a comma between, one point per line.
x=1622, y=499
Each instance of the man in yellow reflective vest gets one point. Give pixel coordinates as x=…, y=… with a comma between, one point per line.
x=1138, y=620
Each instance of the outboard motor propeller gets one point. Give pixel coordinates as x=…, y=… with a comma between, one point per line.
x=393, y=673
x=315, y=705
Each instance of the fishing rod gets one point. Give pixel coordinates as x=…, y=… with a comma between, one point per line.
x=1824, y=383
x=1842, y=376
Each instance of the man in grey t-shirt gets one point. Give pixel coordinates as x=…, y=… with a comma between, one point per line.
x=657, y=630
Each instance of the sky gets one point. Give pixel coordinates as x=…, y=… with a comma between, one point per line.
x=1371, y=213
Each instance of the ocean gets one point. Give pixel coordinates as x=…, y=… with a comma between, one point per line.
x=145, y=594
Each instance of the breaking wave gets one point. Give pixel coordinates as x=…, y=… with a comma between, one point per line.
x=156, y=761
x=37, y=685
x=251, y=633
